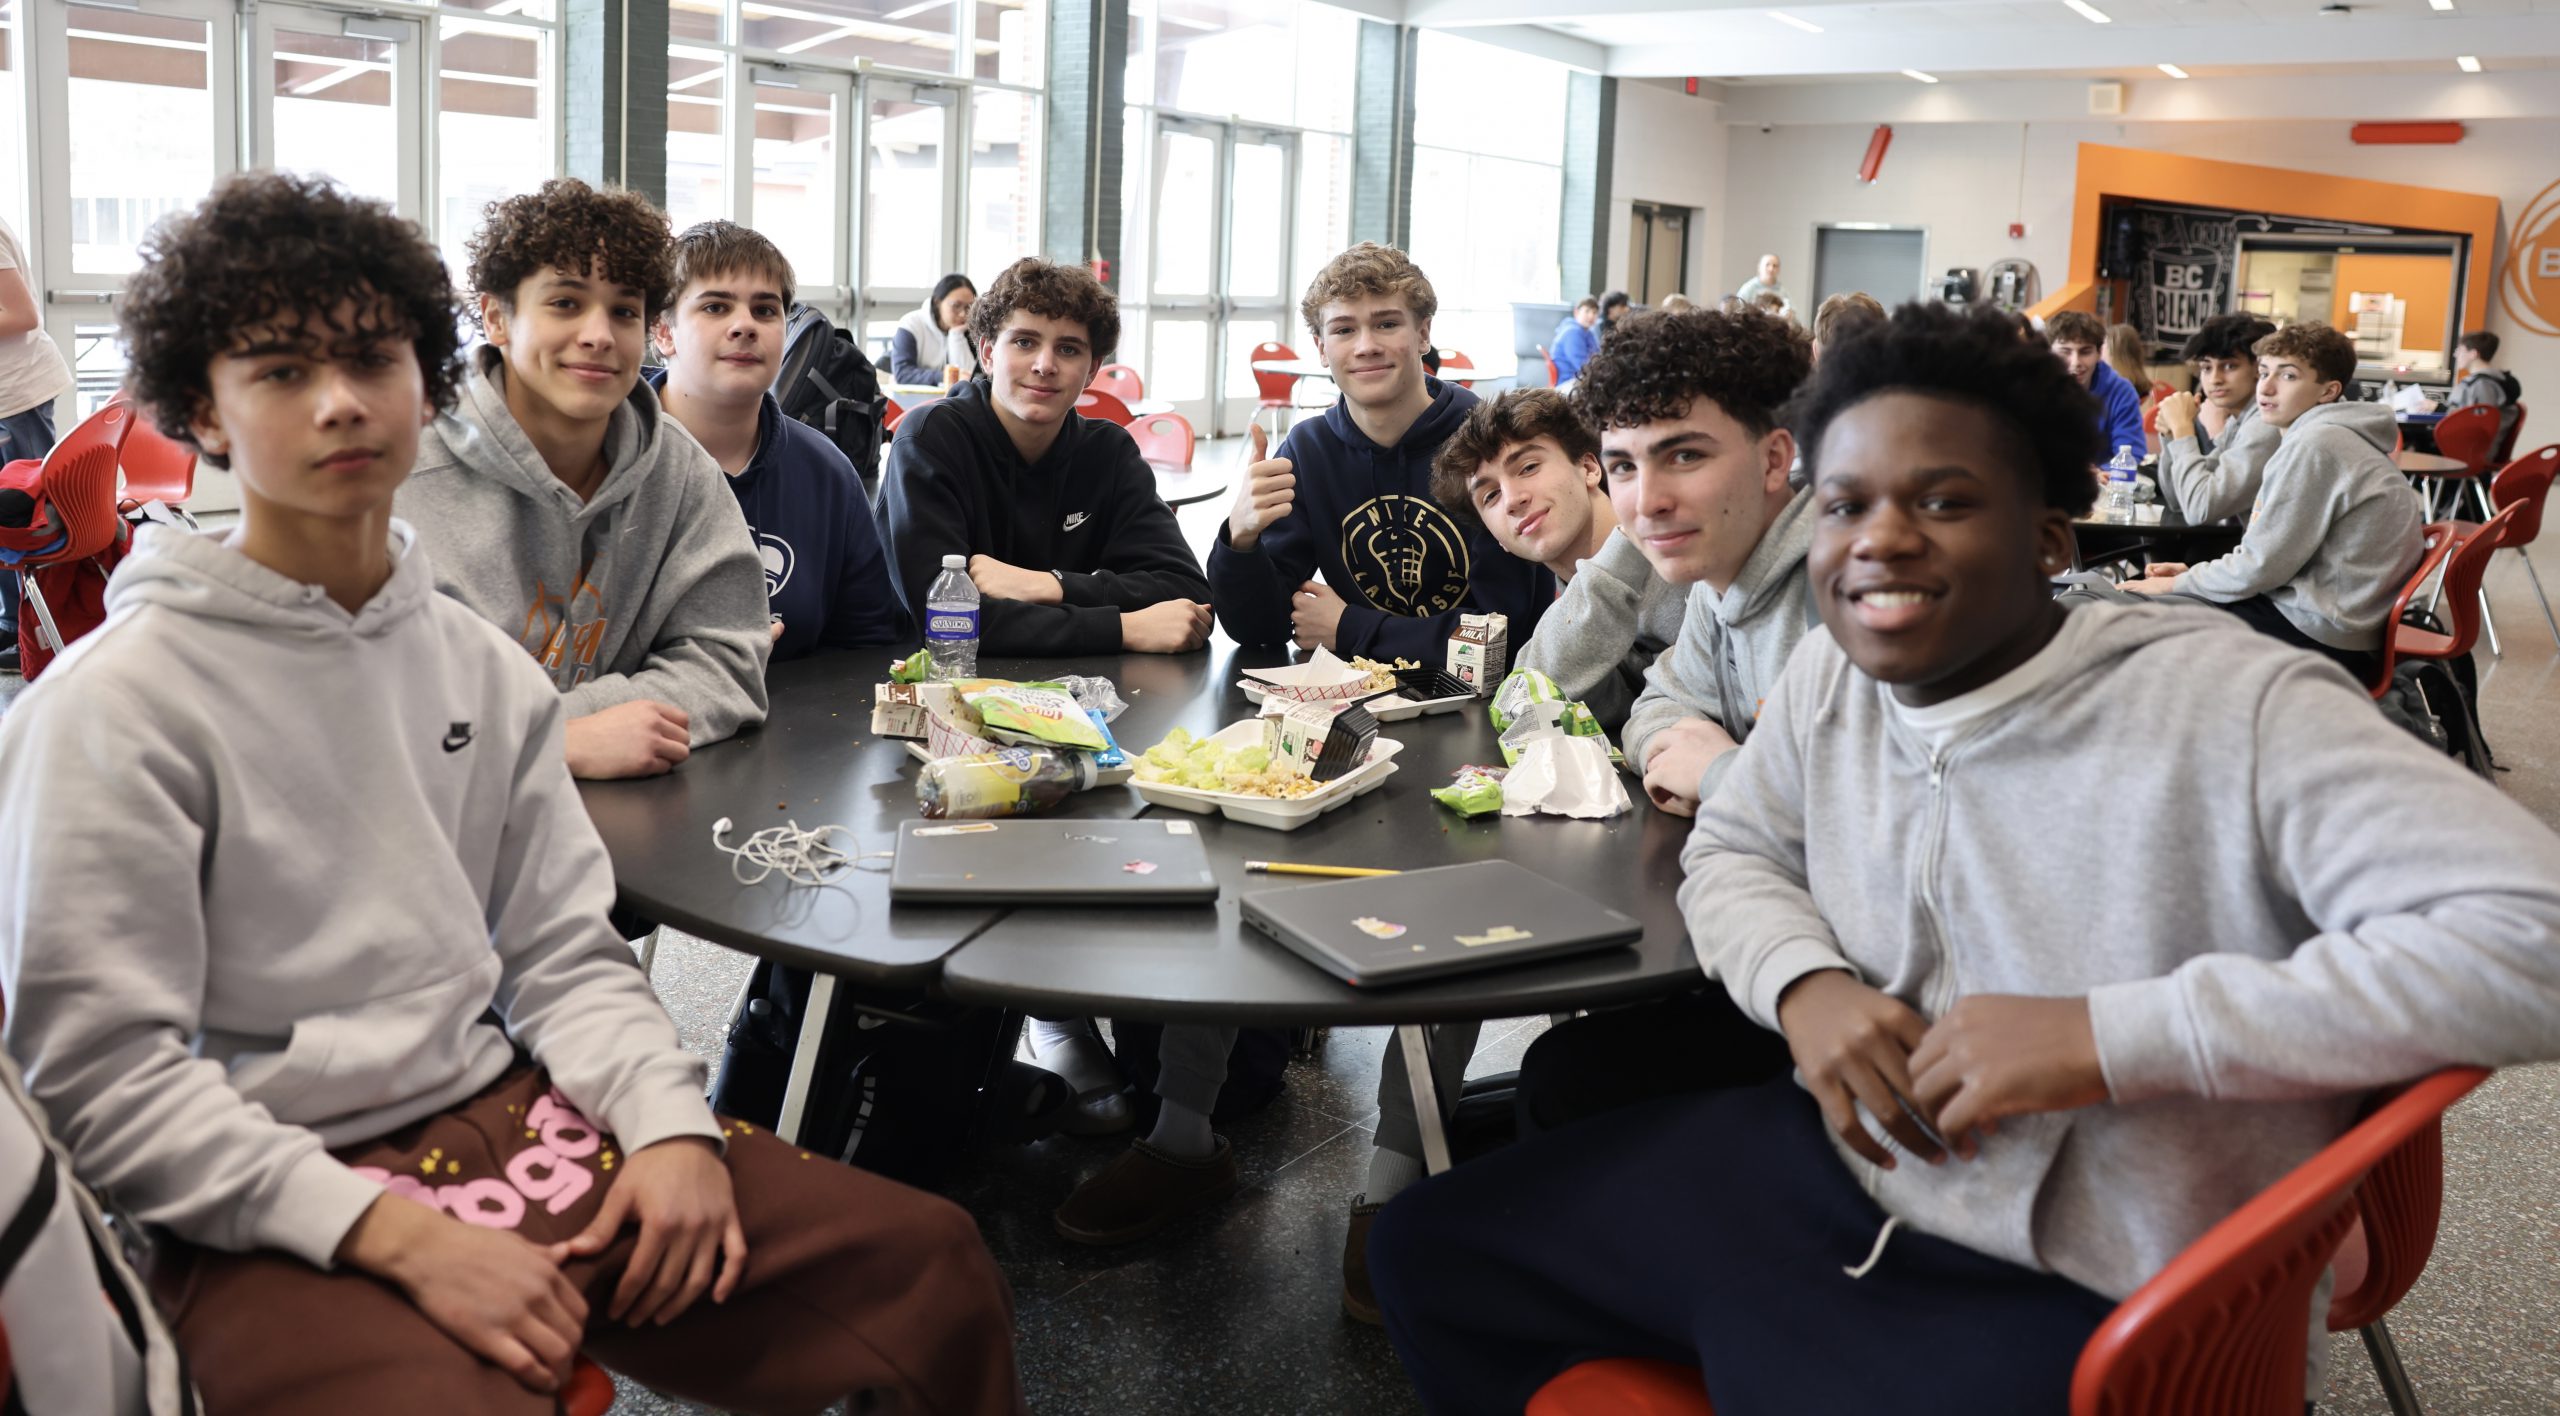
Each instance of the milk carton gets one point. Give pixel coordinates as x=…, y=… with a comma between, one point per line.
x=1480, y=650
x=1320, y=741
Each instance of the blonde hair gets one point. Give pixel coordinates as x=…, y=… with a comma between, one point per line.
x=2124, y=353
x=1366, y=271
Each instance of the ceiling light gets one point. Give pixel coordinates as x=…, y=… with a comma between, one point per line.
x=2470, y=63
x=1916, y=74
x=2090, y=12
x=2439, y=4
x=2173, y=71
x=1808, y=26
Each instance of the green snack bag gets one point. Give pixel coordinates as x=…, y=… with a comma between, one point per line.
x=1022, y=713
x=1520, y=688
x=915, y=668
x=1474, y=791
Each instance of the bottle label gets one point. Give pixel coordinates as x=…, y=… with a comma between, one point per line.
x=950, y=624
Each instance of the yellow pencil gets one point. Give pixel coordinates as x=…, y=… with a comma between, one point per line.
x=1282, y=867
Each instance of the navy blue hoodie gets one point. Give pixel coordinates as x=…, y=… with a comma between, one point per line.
x=1366, y=518
x=825, y=573
x=1087, y=509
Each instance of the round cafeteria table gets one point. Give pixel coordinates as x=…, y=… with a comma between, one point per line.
x=2426, y=464
x=1181, y=486
x=2172, y=537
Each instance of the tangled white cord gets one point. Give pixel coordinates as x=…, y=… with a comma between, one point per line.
x=801, y=857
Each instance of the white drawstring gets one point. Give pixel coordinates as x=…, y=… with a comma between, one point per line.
x=1891, y=1223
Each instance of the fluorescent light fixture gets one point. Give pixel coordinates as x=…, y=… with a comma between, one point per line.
x=2173, y=71
x=1916, y=74
x=2470, y=63
x=2090, y=12
x=2439, y=4
x=1808, y=26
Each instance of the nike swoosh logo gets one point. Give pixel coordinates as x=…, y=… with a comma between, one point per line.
x=1074, y=521
x=456, y=743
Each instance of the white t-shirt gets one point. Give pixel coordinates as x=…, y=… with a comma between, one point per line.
x=32, y=369
x=1939, y=723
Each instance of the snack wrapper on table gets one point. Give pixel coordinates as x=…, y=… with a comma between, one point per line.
x=915, y=668
x=1033, y=715
x=1480, y=649
x=1472, y=791
x=1564, y=775
x=1321, y=678
x=1520, y=688
x=1546, y=719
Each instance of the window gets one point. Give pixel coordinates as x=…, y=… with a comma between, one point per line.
x=1004, y=180
x=909, y=34
x=13, y=153
x=1266, y=61
x=904, y=225
x=795, y=201
x=697, y=154
x=696, y=21
x=494, y=126
x=1010, y=46
x=1488, y=188
x=141, y=122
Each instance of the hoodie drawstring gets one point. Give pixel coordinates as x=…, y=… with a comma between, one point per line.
x=1891, y=1223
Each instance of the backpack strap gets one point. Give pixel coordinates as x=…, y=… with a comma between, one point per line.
x=28, y=1222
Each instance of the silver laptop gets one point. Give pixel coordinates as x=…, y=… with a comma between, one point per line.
x=1422, y=924
x=1026, y=860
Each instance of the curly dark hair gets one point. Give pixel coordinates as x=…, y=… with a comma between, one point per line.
x=1656, y=364
x=568, y=225
x=1052, y=290
x=2233, y=336
x=276, y=253
x=2328, y=354
x=1973, y=358
x=1497, y=423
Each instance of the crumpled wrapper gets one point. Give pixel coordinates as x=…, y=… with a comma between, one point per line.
x=1473, y=791
x=1565, y=776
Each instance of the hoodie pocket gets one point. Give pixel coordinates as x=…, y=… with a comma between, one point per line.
x=372, y=1054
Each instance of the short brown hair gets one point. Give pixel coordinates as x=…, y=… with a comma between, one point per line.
x=2075, y=327
x=1368, y=270
x=1053, y=291
x=1494, y=424
x=1846, y=314
x=568, y=225
x=709, y=248
x=1656, y=365
x=2330, y=355
x=1587, y=302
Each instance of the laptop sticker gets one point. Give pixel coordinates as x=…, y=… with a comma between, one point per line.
x=1377, y=928
x=1140, y=867
x=972, y=829
x=1499, y=934
x=1179, y=828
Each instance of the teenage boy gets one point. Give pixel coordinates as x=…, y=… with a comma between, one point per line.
x=2023, y=1091
x=1067, y=540
x=1575, y=341
x=2214, y=450
x=340, y=1048
x=2478, y=379
x=1348, y=495
x=562, y=503
x=2080, y=341
x=826, y=579
x=2337, y=528
x=1844, y=316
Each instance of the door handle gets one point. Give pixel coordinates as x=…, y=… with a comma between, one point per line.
x=81, y=297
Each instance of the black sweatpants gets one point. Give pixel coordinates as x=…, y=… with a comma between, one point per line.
x=1714, y=1229
x=2263, y=616
x=1622, y=1056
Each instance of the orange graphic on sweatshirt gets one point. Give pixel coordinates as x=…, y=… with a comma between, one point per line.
x=564, y=633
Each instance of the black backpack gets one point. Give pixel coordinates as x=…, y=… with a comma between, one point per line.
x=828, y=383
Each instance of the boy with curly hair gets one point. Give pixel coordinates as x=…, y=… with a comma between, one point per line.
x=340, y=1048
x=563, y=504
x=2023, y=1079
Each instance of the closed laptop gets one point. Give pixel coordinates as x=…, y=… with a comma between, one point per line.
x=1048, y=861
x=1452, y=919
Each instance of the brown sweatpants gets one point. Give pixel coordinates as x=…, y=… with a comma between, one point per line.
x=853, y=1284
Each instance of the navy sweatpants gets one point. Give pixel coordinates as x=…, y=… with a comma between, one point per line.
x=1711, y=1229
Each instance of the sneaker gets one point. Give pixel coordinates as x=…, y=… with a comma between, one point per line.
x=1358, y=1303
x=1098, y=1113
x=1143, y=1191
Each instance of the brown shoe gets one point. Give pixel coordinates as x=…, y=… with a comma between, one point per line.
x=1142, y=1192
x=1358, y=1303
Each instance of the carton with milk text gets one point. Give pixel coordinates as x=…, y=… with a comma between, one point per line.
x=1480, y=651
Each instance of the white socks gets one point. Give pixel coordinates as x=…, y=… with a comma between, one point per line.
x=1389, y=1172
x=1071, y=1050
x=1182, y=1133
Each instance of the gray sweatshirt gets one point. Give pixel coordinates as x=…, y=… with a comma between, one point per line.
x=2336, y=532
x=270, y=866
x=2259, y=936
x=1731, y=645
x=1613, y=620
x=2220, y=481
x=653, y=589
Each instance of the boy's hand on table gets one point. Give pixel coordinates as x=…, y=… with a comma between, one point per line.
x=1998, y=1055
x=1677, y=757
x=1166, y=627
x=642, y=738
x=998, y=580
x=488, y=1289
x=1315, y=613
x=678, y=1192
x=1853, y=1044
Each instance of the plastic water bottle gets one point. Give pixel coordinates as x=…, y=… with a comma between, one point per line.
x=2120, y=474
x=951, y=621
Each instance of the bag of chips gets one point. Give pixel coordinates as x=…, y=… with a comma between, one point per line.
x=1035, y=715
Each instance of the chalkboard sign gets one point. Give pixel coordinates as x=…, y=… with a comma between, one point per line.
x=2179, y=262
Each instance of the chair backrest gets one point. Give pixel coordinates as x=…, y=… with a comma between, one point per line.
x=2507, y=444
x=2471, y=434
x=1099, y=404
x=1271, y=386
x=2440, y=539
x=2397, y=1209
x=2526, y=483
x=889, y=418
x=1552, y=380
x=79, y=482
x=1121, y=380
x=157, y=467
x=2463, y=570
x=1622, y=1386
x=1164, y=438
x=2224, y=1327
x=1454, y=368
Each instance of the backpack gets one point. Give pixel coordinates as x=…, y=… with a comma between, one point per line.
x=828, y=383
x=2434, y=699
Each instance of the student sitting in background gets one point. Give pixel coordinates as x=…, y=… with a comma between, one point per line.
x=2479, y=380
x=564, y=505
x=1575, y=342
x=1844, y=316
x=2126, y=355
x=2213, y=451
x=2081, y=343
x=2024, y=1088
x=405, y=1118
x=1067, y=539
x=936, y=337
x=1614, y=309
x=2337, y=528
x=826, y=579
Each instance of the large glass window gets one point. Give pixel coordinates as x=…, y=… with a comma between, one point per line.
x=1267, y=61
x=903, y=228
x=910, y=34
x=1488, y=188
x=13, y=153
x=494, y=125
x=1004, y=180
x=795, y=195
x=697, y=149
x=1010, y=45
x=142, y=126
x=696, y=21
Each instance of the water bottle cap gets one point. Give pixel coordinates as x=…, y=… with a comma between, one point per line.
x=955, y=562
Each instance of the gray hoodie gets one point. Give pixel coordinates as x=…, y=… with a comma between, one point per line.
x=269, y=866
x=1731, y=646
x=2218, y=482
x=653, y=589
x=2259, y=934
x=2336, y=532
x=1613, y=620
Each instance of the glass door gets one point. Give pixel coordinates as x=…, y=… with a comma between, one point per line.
x=908, y=221
x=342, y=96
x=803, y=192
x=1219, y=266
x=1260, y=306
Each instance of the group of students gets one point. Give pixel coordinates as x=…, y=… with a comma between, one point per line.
x=310, y=959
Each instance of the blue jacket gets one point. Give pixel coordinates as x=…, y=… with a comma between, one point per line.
x=824, y=571
x=1366, y=518
x=1573, y=348
x=2120, y=412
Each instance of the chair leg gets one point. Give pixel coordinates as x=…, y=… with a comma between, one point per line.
x=2480, y=495
x=28, y=594
x=2396, y=1389
x=2489, y=626
x=2536, y=578
x=649, y=955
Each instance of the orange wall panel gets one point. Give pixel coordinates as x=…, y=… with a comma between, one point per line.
x=2426, y=282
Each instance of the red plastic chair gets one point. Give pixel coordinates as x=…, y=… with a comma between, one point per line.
x=589, y=1392
x=1452, y=359
x=1121, y=381
x=2525, y=484
x=1165, y=439
x=889, y=419
x=2507, y=444
x=1552, y=380
x=76, y=482
x=2457, y=592
x=2441, y=538
x=1106, y=407
x=157, y=467
x=1276, y=392
x=1622, y=1386
x=2470, y=435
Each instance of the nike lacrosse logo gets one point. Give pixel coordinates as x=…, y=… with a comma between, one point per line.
x=1074, y=520
x=457, y=737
